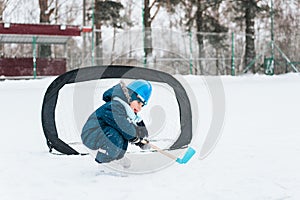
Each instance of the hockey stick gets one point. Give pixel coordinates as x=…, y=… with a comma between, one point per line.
x=186, y=157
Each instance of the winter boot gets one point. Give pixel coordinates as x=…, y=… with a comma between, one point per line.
x=124, y=162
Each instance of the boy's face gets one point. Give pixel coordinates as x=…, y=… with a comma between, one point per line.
x=136, y=106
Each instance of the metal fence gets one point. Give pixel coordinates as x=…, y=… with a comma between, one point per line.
x=179, y=52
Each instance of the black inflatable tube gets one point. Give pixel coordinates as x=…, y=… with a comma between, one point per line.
x=105, y=72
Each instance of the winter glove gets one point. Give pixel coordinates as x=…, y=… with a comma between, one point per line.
x=140, y=142
x=141, y=131
x=141, y=134
x=143, y=144
x=141, y=123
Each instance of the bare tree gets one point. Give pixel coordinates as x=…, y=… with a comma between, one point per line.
x=45, y=13
x=3, y=5
x=286, y=27
x=147, y=21
x=202, y=15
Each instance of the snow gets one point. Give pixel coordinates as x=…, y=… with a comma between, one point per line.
x=256, y=156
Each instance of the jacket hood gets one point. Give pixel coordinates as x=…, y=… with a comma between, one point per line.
x=115, y=91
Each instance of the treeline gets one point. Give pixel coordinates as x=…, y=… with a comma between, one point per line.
x=263, y=29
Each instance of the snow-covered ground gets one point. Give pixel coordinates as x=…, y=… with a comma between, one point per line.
x=257, y=156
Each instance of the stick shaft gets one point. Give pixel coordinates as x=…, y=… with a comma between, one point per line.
x=163, y=152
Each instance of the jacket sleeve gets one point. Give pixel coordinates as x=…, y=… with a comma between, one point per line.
x=115, y=116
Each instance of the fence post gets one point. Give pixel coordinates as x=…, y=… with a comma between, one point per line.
x=34, y=56
x=191, y=53
x=93, y=32
x=232, y=55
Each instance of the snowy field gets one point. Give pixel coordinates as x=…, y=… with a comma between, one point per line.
x=257, y=156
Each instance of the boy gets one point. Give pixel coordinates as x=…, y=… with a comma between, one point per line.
x=109, y=129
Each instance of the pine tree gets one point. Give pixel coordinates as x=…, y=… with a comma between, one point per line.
x=246, y=12
x=106, y=13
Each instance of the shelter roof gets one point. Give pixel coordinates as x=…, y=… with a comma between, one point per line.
x=44, y=33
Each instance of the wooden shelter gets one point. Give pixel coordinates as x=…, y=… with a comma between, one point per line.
x=35, y=34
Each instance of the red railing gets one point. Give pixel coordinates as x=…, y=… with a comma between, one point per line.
x=24, y=66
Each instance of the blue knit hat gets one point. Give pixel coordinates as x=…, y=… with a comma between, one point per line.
x=140, y=90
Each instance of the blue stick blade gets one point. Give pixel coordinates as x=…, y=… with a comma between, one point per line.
x=187, y=156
